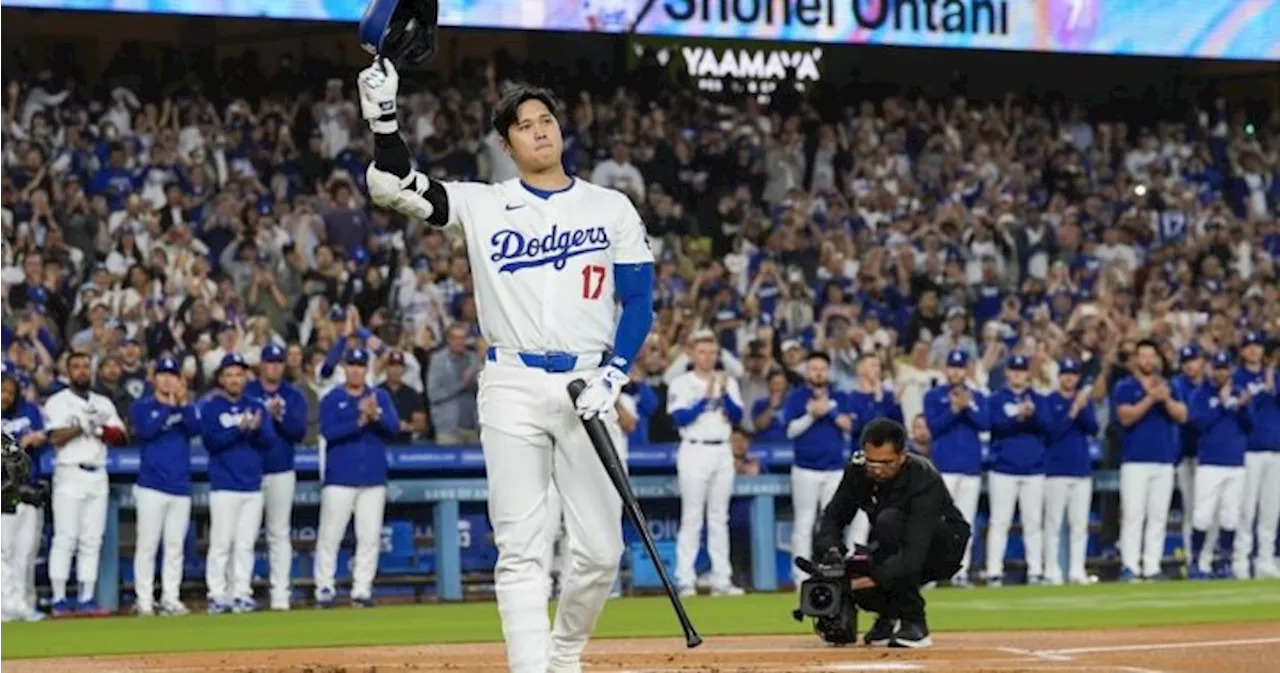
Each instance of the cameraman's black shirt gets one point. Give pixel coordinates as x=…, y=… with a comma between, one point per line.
x=917, y=492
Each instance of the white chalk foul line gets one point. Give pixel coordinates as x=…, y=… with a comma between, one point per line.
x=1040, y=656
x=1158, y=646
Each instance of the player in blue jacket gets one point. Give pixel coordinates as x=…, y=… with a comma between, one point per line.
x=1068, y=468
x=356, y=421
x=818, y=422
x=1192, y=376
x=1260, y=501
x=871, y=397
x=956, y=414
x=1019, y=418
x=237, y=431
x=164, y=422
x=288, y=410
x=24, y=528
x=1220, y=412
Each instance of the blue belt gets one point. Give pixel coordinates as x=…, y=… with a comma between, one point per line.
x=554, y=362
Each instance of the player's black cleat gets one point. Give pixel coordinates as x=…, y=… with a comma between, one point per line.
x=912, y=635
x=881, y=632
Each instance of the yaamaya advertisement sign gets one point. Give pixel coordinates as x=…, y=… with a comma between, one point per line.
x=1233, y=29
x=736, y=68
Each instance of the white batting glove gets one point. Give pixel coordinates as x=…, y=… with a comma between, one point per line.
x=379, y=84
x=601, y=393
x=406, y=196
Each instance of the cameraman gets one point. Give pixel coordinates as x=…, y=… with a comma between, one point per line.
x=917, y=534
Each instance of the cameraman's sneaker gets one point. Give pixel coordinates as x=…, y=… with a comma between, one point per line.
x=911, y=634
x=881, y=632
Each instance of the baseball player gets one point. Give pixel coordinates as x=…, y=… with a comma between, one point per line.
x=818, y=421
x=288, y=410
x=1149, y=411
x=81, y=424
x=957, y=415
x=706, y=404
x=1068, y=483
x=553, y=258
x=356, y=421
x=1185, y=383
x=23, y=421
x=1261, y=493
x=1219, y=411
x=164, y=421
x=237, y=431
x=1019, y=418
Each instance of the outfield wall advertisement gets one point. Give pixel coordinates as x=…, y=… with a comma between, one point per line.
x=1231, y=29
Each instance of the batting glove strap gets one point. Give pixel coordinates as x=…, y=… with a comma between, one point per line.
x=602, y=393
x=406, y=196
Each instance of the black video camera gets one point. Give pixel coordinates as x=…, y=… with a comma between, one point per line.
x=827, y=595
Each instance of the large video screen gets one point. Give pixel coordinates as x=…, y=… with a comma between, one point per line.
x=1232, y=29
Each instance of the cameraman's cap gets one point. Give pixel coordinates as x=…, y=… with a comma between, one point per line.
x=272, y=353
x=1069, y=366
x=958, y=358
x=1188, y=353
x=337, y=314
x=1222, y=360
x=1019, y=363
x=167, y=365
x=1252, y=338
x=357, y=356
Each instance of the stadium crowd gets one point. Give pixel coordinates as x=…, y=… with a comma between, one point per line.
x=902, y=238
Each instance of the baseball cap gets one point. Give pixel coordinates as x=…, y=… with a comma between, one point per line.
x=1252, y=338
x=395, y=358
x=168, y=365
x=231, y=360
x=1222, y=360
x=958, y=358
x=1018, y=363
x=789, y=344
x=1188, y=353
x=956, y=312
x=8, y=370
x=357, y=356
x=337, y=314
x=272, y=353
x=1069, y=366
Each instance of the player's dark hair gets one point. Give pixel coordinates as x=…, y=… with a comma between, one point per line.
x=819, y=355
x=77, y=355
x=883, y=431
x=1147, y=343
x=504, y=115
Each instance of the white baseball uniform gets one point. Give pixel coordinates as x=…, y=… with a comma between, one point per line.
x=80, y=490
x=704, y=469
x=543, y=267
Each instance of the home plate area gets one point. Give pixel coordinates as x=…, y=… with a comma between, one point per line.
x=1184, y=649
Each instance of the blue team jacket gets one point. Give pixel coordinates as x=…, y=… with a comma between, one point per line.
x=821, y=447
x=290, y=428
x=1017, y=446
x=1222, y=432
x=356, y=455
x=1154, y=438
x=957, y=449
x=1184, y=387
x=165, y=432
x=1067, y=439
x=20, y=420
x=646, y=405
x=235, y=455
x=1264, y=411
x=866, y=409
x=776, y=431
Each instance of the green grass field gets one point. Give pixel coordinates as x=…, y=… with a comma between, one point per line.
x=1011, y=608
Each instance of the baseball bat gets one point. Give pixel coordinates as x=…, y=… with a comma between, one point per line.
x=603, y=444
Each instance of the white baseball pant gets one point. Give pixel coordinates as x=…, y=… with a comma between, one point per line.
x=705, y=475
x=277, y=497
x=1146, y=489
x=1026, y=491
x=1261, y=508
x=1218, y=492
x=234, y=520
x=337, y=504
x=965, y=490
x=532, y=437
x=161, y=516
x=1069, y=496
x=13, y=600
x=79, y=520
x=811, y=490
x=557, y=564
x=30, y=536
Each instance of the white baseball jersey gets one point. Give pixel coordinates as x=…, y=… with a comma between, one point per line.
x=712, y=425
x=543, y=267
x=66, y=409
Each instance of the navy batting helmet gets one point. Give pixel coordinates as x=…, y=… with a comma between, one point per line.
x=401, y=30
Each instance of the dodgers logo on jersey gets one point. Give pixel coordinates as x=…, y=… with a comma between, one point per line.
x=516, y=252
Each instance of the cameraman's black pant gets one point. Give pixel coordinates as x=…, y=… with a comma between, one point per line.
x=903, y=599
